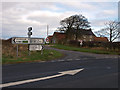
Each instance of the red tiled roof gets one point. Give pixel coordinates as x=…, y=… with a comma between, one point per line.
x=49, y=37
x=59, y=35
x=101, y=39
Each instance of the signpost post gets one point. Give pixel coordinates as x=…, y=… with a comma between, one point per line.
x=17, y=50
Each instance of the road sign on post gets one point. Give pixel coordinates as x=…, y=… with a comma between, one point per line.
x=20, y=40
x=35, y=47
x=26, y=40
x=47, y=40
x=37, y=41
x=33, y=43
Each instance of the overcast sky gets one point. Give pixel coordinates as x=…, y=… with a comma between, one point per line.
x=18, y=16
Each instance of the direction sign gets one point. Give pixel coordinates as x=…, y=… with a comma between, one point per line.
x=20, y=40
x=26, y=40
x=35, y=47
x=37, y=41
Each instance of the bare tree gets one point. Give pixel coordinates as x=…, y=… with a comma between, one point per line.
x=111, y=30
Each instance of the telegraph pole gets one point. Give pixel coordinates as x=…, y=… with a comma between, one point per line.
x=47, y=30
x=47, y=41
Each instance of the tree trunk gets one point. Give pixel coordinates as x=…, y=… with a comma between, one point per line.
x=110, y=35
x=76, y=36
x=76, y=33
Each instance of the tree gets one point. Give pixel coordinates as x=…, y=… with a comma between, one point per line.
x=111, y=30
x=73, y=24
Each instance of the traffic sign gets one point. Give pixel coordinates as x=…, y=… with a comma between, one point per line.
x=29, y=33
x=37, y=41
x=30, y=28
x=26, y=40
x=35, y=47
x=47, y=40
x=20, y=40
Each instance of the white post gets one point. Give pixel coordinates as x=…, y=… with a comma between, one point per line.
x=17, y=50
x=47, y=30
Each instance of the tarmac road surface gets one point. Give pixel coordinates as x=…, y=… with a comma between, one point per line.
x=98, y=71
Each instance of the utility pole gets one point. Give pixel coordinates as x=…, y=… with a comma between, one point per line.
x=47, y=30
x=47, y=41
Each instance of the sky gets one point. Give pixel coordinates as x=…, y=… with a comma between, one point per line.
x=18, y=16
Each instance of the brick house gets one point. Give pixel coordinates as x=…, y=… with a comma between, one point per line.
x=58, y=37
x=50, y=38
x=101, y=39
x=85, y=36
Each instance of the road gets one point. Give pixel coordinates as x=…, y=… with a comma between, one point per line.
x=98, y=71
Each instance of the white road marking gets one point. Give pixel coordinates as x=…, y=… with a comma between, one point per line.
x=108, y=67
x=41, y=61
x=77, y=59
x=69, y=59
x=85, y=58
x=61, y=60
x=52, y=61
x=70, y=72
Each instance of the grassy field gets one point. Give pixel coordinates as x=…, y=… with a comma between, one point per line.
x=34, y=57
x=89, y=50
x=9, y=54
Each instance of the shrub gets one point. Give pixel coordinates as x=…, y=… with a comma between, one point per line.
x=74, y=43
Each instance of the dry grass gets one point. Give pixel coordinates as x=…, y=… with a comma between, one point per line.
x=10, y=49
x=96, y=50
x=9, y=54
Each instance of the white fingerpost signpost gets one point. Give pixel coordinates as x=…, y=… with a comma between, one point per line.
x=34, y=44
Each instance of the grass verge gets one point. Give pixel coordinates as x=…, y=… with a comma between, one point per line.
x=89, y=50
x=34, y=57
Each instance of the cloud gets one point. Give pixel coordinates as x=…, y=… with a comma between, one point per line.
x=107, y=13
x=60, y=1
x=17, y=17
x=80, y=5
x=99, y=23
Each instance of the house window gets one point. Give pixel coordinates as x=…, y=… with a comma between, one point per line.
x=84, y=36
x=90, y=36
x=84, y=39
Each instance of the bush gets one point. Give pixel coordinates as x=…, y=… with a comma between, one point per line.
x=74, y=43
x=106, y=45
